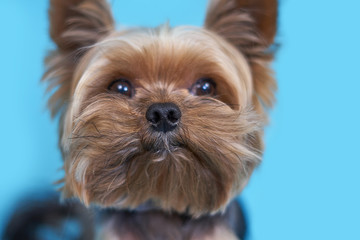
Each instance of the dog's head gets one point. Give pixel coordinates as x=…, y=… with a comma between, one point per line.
x=167, y=116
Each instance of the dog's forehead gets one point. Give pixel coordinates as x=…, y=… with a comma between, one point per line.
x=167, y=54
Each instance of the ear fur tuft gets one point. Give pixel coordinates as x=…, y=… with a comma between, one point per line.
x=249, y=25
x=79, y=23
x=75, y=25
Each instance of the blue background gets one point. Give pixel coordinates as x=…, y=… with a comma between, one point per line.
x=308, y=184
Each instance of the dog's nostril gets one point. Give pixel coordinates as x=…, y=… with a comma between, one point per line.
x=173, y=116
x=163, y=117
x=155, y=117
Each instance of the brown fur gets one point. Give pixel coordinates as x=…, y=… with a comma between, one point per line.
x=74, y=26
x=112, y=156
x=129, y=163
x=250, y=25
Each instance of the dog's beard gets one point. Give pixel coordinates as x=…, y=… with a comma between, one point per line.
x=116, y=159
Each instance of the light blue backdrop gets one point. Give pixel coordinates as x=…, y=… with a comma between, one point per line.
x=308, y=185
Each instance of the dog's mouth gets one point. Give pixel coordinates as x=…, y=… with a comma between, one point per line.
x=156, y=142
x=163, y=147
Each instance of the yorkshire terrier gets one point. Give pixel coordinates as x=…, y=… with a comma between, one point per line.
x=162, y=125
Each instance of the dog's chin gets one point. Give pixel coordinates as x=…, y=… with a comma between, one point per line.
x=172, y=177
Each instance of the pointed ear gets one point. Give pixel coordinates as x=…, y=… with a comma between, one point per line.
x=75, y=25
x=250, y=25
x=79, y=23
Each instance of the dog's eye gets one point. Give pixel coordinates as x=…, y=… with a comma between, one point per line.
x=121, y=86
x=204, y=86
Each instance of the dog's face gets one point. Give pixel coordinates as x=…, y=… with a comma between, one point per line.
x=170, y=117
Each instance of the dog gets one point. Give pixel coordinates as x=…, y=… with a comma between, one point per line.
x=161, y=126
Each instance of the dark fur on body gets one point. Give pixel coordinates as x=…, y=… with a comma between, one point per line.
x=157, y=225
x=39, y=219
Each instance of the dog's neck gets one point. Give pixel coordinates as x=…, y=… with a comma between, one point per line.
x=148, y=216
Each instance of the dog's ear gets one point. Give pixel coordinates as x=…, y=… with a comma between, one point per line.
x=250, y=25
x=75, y=25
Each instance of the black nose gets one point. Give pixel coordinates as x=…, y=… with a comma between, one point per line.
x=163, y=117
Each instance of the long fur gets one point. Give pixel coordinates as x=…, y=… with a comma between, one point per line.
x=112, y=156
x=115, y=168
x=74, y=25
x=251, y=27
